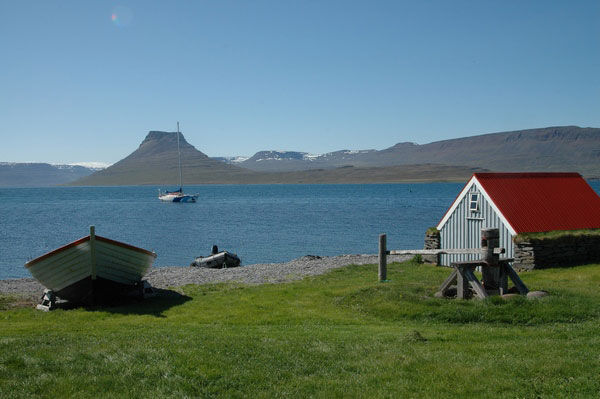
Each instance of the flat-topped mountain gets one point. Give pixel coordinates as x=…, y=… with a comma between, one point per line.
x=156, y=162
x=563, y=148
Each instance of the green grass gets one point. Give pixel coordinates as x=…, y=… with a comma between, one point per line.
x=555, y=234
x=339, y=335
x=432, y=230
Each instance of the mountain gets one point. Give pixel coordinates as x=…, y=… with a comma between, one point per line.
x=567, y=148
x=156, y=162
x=40, y=174
x=232, y=160
x=269, y=161
x=562, y=148
x=389, y=174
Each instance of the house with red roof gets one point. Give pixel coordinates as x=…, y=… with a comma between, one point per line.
x=517, y=203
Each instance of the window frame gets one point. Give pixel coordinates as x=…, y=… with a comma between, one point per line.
x=474, y=201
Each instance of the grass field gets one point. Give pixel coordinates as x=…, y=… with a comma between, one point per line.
x=339, y=335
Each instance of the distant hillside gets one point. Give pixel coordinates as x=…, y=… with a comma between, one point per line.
x=40, y=174
x=388, y=174
x=564, y=148
x=285, y=161
x=155, y=162
x=554, y=149
x=233, y=160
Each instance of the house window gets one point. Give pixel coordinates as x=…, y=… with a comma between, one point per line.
x=474, y=202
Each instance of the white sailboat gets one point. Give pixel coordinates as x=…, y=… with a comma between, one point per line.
x=177, y=195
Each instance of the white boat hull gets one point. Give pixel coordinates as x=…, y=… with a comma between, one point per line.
x=177, y=198
x=84, y=269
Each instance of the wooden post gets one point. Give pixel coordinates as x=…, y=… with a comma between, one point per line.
x=490, y=239
x=503, y=281
x=93, y=252
x=462, y=284
x=382, y=257
x=93, y=271
x=490, y=273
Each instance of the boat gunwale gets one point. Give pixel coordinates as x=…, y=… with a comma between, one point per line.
x=81, y=241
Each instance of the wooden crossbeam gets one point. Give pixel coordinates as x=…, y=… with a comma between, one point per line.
x=448, y=282
x=475, y=284
x=449, y=251
x=523, y=290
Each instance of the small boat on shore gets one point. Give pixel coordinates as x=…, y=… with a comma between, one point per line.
x=92, y=269
x=177, y=195
x=217, y=260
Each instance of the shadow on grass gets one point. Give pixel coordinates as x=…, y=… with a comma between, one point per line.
x=154, y=306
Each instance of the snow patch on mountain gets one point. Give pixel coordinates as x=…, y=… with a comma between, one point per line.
x=91, y=165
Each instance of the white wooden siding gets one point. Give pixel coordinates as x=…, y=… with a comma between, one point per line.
x=463, y=228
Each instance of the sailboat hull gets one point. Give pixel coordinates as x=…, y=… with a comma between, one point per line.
x=177, y=198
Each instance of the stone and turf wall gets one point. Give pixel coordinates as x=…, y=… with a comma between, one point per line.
x=556, y=249
x=432, y=241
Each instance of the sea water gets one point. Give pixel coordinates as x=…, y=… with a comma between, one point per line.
x=261, y=223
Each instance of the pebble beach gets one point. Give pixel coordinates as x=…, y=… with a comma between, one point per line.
x=177, y=276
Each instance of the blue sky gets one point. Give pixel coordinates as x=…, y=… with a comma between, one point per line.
x=86, y=80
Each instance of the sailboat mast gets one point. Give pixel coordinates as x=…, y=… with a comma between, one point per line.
x=179, y=155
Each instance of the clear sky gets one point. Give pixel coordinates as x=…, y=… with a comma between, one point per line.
x=86, y=80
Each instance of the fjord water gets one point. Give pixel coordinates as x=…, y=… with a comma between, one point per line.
x=261, y=223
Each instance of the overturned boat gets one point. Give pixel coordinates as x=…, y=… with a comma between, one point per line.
x=217, y=260
x=92, y=269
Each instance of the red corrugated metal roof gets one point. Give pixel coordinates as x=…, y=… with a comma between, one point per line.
x=533, y=202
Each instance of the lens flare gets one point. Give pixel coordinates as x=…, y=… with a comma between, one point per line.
x=121, y=16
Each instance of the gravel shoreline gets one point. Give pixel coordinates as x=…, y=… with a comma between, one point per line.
x=176, y=276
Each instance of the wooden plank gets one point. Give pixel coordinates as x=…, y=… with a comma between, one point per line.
x=471, y=263
x=123, y=254
x=448, y=282
x=523, y=290
x=72, y=257
x=126, y=246
x=475, y=284
x=62, y=256
x=382, y=257
x=462, y=283
x=433, y=251
x=53, y=273
x=56, y=251
x=93, y=251
x=448, y=251
x=503, y=282
x=136, y=261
